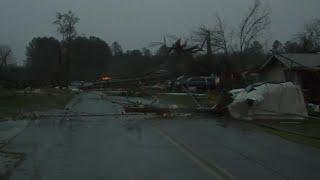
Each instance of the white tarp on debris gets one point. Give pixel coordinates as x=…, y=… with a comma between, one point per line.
x=269, y=101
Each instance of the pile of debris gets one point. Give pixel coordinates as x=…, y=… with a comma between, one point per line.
x=269, y=101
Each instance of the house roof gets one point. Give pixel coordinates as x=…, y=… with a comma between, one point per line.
x=311, y=60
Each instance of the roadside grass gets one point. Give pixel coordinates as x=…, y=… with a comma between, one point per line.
x=307, y=132
x=306, y=128
x=295, y=138
x=13, y=102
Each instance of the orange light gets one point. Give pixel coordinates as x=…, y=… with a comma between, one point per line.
x=106, y=78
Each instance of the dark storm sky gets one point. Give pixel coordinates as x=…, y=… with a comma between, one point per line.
x=135, y=23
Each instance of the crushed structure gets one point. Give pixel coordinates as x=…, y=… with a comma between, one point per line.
x=269, y=101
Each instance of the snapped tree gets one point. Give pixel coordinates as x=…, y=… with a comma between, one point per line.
x=216, y=39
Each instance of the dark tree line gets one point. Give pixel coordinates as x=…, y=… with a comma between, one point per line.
x=308, y=41
x=42, y=59
x=88, y=59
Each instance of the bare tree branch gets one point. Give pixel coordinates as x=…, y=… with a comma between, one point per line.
x=253, y=25
x=66, y=25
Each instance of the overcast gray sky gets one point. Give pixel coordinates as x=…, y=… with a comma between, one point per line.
x=135, y=23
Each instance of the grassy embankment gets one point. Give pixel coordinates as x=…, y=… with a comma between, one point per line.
x=307, y=132
x=14, y=102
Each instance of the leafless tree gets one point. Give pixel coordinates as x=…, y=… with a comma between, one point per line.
x=5, y=54
x=66, y=25
x=311, y=35
x=253, y=25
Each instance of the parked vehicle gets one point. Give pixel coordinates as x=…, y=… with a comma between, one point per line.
x=77, y=84
x=198, y=83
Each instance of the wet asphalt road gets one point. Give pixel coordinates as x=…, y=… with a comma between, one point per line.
x=144, y=147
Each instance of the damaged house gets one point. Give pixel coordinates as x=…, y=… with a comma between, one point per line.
x=301, y=69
